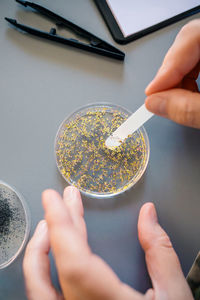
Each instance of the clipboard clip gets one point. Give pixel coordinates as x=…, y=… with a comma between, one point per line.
x=95, y=45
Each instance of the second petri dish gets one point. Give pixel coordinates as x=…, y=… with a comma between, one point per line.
x=14, y=224
x=85, y=162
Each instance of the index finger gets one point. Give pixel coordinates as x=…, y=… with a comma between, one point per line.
x=65, y=239
x=181, y=59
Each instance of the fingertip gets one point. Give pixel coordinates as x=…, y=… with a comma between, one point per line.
x=41, y=226
x=146, y=223
x=157, y=104
x=147, y=105
x=148, y=212
x=149, y=294
x=73, y=201
x=45, y=195
x=72, y=195
x=39, y=243
x=71, y=190
x=148, y=90
x=148, y=102
x=48, y=192
x=147, y=206
x=48, y=196
x=156, y=83
x=56, y=213
x=39, y=233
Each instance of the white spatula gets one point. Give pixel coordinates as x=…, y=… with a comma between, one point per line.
x=133, y=123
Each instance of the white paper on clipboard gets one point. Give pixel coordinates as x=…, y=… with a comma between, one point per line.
x=135, y=15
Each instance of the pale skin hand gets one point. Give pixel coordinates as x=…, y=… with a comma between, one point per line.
x=82, y=274
x=173, y=93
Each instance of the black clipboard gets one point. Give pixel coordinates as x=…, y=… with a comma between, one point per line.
x=117, y=33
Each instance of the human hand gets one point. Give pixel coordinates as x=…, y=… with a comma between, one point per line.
x=82, y=274
x=173, y=93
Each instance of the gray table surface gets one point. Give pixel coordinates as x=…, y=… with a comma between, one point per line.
x=40, y=84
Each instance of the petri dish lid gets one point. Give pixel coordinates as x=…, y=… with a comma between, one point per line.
x=14, y=224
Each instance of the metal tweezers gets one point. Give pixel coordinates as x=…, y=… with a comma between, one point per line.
x=95, y=45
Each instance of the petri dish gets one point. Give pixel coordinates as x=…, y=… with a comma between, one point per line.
x=85, y=162
x=14, y=224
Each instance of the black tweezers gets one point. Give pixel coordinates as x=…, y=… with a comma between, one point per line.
x=96, y=45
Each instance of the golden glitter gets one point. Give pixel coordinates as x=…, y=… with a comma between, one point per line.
x=85, y=161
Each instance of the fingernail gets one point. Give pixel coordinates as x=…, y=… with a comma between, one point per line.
x=153, y=214
x=42, y=226
x=70, y=193
x=157, y=105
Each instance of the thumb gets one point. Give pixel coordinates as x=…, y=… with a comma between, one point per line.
x=181, y=106
x=162, y=262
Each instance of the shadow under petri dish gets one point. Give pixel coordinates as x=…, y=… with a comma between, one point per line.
x=14, y=224
x=84, y=160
